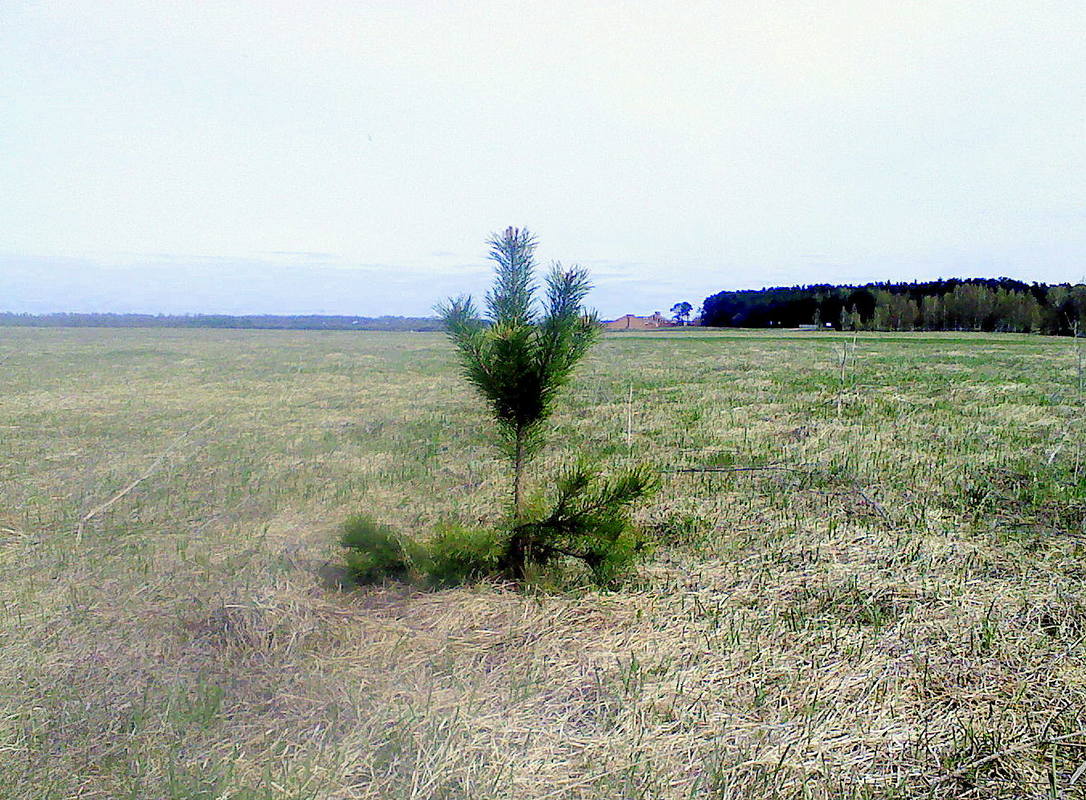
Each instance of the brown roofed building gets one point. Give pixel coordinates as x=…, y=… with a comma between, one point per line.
x=631, y=322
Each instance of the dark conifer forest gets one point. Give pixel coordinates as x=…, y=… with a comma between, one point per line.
x=973, y=304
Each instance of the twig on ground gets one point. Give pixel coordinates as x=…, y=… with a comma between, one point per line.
x=778, y=467
x=875, y=505
x=147, y=473
x=959, y=774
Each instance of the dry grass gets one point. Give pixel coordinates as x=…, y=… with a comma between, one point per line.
x=898, y=613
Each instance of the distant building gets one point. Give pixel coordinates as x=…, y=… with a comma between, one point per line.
x=631, y=322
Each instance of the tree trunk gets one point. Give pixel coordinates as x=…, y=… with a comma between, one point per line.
x=518, y=470
x=515, y=560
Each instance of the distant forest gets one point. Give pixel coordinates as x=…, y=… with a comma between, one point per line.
x=262, y=321
x=972, y=304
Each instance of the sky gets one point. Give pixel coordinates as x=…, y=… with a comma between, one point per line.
x=353, y=158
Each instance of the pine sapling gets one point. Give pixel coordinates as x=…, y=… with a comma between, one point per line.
x=518, y=357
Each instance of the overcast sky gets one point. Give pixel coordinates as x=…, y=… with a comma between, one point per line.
x=352, y=158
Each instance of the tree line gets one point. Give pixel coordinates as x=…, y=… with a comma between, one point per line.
x=259, y=321
x=971, y=304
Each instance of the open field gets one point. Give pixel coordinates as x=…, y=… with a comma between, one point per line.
x=895, y=609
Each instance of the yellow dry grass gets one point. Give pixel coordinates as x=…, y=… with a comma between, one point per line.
x=893, y=610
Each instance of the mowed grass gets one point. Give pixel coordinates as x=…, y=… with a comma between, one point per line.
x=890, y=606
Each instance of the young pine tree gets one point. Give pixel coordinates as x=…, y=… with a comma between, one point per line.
x=520, y=355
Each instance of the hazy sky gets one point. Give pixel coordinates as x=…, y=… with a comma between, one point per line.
x=353, y=157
